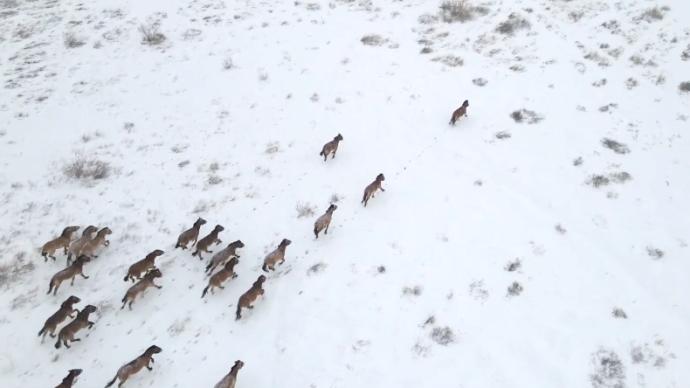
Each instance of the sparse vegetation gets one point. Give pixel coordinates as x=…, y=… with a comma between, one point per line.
x=450, y=60
x=560, y=229
x=619, y=313
x=502, y=135
x=460, y=11
x=478, y=291
x=513, y=266
x=514, y=23
x=427, y=19
x=214, y=179
x=655, y=253
x=150, y=35
x=85, y=169
x=415, y=291
x=620, y=177
x=373, y=40
x=609, y=371
x=20, y=267
x=515, y=289
x=615, y=146
x=316, y=268
x=599, y=180
x=653, y=14
x=684, y=87
x=479, y=81
x=272, y=148
x=526, y=116
x=443, y=335
x=685, y=55
x=228, y=64
x=71, y=40
x=304, y=210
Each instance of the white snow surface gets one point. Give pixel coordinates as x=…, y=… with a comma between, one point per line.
x=186, y=137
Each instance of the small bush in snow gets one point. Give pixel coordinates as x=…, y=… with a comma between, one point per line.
x=316, y=268
x=615, y=146
x=513, y=266
x=443, y=335
x=460, y=11
x=609, y=371
x=214, y=179
x=655, y=253
x=619, y=313
x=15, y=272
x=304, y=210
x=272, y=148
x=526, y=116
x=87, y=169
x=450, y=60
x=228, y=64
x=684, y=86
x=685, y=55
x=653, y=14
x=150, y=35
x=427, y=19
x=620, y=177
x=515, y=289
x=479, y=81
x=514, y=23
x=373, y=40
x=631, y=83
x=71, y=41
x=599, y=181
x=415, y=291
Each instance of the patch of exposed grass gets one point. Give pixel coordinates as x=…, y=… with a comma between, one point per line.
x=85, y=169
x=460, y=11
x=150, y=35
x=514, y=23
x=615, y=146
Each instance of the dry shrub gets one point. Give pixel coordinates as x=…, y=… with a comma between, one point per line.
x=71, y=41
x=443, y=335
x=460, y=11
x=304, y=210
x=514, y=23
x=87, y=169
x=615, y=146
x=150, y=35
x=373, y=40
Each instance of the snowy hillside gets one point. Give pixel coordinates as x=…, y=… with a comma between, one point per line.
x=542, y=241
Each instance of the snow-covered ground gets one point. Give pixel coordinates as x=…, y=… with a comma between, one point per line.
x=583, y=190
